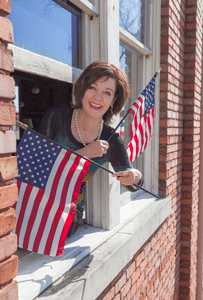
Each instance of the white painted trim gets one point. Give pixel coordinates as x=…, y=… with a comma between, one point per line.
x=131, y=41
x=36, y=272
x=86, y=6
x=29, y=62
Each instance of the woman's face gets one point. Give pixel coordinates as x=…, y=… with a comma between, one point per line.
x=99, y=97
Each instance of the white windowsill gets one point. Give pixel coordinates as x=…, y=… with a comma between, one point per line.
x=37, y=272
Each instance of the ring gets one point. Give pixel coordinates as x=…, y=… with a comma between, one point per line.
x=124, y=172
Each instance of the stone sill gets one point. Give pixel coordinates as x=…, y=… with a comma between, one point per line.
x=88, y=278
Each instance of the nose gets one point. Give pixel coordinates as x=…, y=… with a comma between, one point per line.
x=99, y=95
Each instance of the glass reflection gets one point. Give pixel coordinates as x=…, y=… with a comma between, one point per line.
x=46, y=28
x=133, y=17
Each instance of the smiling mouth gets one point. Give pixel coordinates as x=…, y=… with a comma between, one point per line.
x=95, y=105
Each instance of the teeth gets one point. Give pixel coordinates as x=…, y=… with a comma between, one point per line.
x=95, y=105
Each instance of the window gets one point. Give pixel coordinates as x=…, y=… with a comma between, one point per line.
x=131, y=63
x=134, y=16
x=137, y=52
x=91, y=27
x=46, y=28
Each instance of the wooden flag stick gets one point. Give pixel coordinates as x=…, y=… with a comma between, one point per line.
x=25, y=127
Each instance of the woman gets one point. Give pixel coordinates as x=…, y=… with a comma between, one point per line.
x=100, y=92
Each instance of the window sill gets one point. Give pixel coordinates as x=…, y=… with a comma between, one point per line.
x=37, y=272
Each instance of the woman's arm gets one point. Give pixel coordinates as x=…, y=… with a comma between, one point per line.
x=124, y=171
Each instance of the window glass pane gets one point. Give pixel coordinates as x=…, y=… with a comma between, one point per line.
x=131, y=63
x=46, y=28
x=134, y=17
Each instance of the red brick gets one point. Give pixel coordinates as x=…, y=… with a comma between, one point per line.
x=10, y=291
x=130, y=270
x=120, y=283
x=7, y=91
x=8, y=168
x=125, y=289
x=8, y=245
x=7, y=110
x=6, y=30
x=7, y=221
x=7, y=141
x=139, y=258
x=110, y=294
x=6, y=61
x=136, y=275
x=117, y=297
x=8, y=195
x=8, y=269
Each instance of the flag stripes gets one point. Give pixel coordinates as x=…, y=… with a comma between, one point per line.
x=142, y=125
x=44, y=216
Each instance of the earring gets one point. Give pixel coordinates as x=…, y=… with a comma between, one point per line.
x=112, y=110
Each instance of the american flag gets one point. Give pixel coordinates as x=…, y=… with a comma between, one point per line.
x=142, y=124
x=48, y=184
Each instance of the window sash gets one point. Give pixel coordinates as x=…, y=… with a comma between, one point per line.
x=87, y=6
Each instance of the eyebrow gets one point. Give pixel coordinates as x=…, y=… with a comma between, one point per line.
x=106, y=88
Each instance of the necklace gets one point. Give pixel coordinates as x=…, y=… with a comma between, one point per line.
x=78, y=131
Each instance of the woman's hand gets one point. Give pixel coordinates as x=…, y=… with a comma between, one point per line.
x=129, y=176
x=94, y=149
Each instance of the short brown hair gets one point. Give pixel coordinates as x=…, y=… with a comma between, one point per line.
x=91, y=74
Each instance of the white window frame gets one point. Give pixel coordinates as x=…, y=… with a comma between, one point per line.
x=101, y=35
x=151, y=63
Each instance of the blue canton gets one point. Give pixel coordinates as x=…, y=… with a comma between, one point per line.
x=148, y=93
x=36, y=157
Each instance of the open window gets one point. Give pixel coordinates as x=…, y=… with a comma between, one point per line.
x=47, y=60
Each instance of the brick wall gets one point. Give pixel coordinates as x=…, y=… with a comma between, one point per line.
x=191, y=148
x=166, y=266
x=150, y=274
x=8, y=163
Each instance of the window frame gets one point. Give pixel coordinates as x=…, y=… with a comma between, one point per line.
x=151, y=63
x=100, y=41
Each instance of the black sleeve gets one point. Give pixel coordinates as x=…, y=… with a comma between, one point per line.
x=119, y=157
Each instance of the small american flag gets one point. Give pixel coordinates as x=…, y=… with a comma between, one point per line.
x=142, y=124
x=48, y=184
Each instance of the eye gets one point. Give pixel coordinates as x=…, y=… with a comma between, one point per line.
x=92, y=87
x=108, y=93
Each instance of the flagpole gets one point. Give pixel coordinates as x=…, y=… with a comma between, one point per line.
x=128, y=111
x=25, y=127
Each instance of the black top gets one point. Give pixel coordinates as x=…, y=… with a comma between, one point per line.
x=56, y=124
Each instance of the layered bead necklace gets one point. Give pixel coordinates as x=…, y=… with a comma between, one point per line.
x=78, y=131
